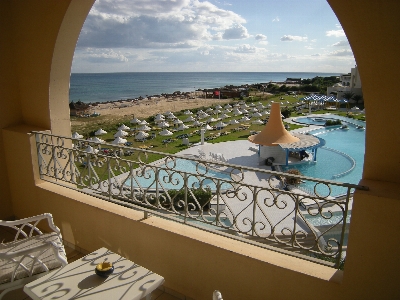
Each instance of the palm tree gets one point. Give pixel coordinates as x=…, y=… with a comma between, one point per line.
x=357, y=98
x=348, y=95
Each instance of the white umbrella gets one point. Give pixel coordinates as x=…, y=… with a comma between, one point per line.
x=135, y=121
x=183, y=127
x=90, y=149
x=163, y=124
x=244, y=119
x=211, y=120
x=208, y=110
x=100, y=132
x=224, y=116
x=244, y=111
x=256, y=115
x=188, y=112
x=167, y=113
x=171, y=116
x=144, y=122
x=189, y=119
x=227, y=106
x=159, y=118
x=220, y=125
x=118, y=141
x=252, y=104
x=203, y=116
x=218, y=106
x=244, y=105
x=197, y=124
x=177, y=121
x=237, y=113
x=253, y=109
x=144, y=128
x=258, y=122
x=233, y=122
x=123, y=127
x=165, y=132
x=96, y=140
x=120, y=133
x=77, y=136
x=266, y=112
x=260, y=107
x=217, y=111
x=226, y=110
x=141, y=135
x=208, y=127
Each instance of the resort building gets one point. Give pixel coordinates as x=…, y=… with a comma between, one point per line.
x=37, y=47
x=349, y=83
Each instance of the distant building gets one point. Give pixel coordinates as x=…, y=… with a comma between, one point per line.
x=293, y=80
x=349, y=83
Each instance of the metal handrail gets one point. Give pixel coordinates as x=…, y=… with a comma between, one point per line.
x=268, y=215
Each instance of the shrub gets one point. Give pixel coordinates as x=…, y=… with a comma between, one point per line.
x=202, y=196
x=333, y=122
x=292, y=180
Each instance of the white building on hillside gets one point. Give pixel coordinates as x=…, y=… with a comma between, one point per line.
x=349, y=83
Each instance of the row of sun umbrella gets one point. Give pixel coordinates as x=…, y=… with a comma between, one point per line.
x=238, y=109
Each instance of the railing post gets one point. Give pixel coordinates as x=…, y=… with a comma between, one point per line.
x=185, y=186
x=156, y=178
x=253, y=224
x=346, y=210
x=39, y=155
x=109, y=177
x=218, y=198
x=296, y=209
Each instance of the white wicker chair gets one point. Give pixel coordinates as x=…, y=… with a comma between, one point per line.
x=31, y=254
x=217, y=295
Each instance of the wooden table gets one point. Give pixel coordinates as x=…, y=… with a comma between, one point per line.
x=78, y=280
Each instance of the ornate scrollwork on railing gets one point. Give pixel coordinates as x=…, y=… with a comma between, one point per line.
x=218, y=195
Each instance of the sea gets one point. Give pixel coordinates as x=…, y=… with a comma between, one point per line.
x=103, y=87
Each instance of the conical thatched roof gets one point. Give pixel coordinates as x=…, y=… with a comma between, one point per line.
x=274, y=133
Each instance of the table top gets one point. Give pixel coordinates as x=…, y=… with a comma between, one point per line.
x=78, y=280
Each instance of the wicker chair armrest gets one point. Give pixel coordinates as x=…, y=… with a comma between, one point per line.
x=26, y=222
x=37, y=249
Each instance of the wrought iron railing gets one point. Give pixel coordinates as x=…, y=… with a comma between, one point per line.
x=214, y=195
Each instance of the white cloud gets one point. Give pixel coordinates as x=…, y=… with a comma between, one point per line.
x=104, y=56
x=245, y=48
x=336, y=33
x=237, y=31
x=158, y=24
x=344, y=52
x=276, y=19
x=278, y=56
x=316, y=54
x=260, y=37
x=290, y=38
x=343, y=43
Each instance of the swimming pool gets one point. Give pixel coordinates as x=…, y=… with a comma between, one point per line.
x=342, y=157
x=171, y=176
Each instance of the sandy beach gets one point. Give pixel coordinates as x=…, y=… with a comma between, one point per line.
x=114, y=111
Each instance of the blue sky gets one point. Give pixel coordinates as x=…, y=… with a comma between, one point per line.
x=212, y=36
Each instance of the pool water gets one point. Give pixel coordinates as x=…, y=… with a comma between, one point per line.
x=196, y=176
x=341, y=159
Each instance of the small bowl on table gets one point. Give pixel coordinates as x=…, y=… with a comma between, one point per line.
x=104, y=269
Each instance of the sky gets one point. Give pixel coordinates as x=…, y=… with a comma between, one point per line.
x=212, y=36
